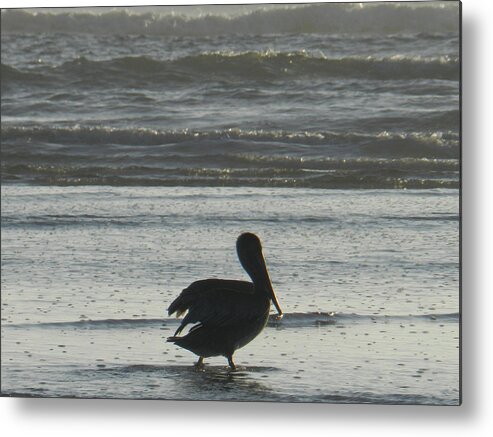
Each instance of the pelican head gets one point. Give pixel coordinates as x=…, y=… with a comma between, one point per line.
x=249, y=251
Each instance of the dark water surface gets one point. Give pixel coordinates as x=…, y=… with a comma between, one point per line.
x=286, y=99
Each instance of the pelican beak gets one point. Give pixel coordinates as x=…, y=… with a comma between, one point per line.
x=276, y=304
x=269, y=287
x=259, y=274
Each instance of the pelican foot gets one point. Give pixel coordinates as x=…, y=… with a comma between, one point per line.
x=232, y=365
x=199, y=365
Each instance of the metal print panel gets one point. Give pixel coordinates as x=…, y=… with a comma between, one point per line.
x=299, y=159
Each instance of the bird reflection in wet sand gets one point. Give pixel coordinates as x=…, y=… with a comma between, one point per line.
x=226, y=314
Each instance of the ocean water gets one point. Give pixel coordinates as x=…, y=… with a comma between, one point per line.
x=138, y=144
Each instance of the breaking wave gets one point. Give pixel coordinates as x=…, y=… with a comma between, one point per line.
x=232, y=66
x=431, y=145
x=232, y=157
x=315, y=18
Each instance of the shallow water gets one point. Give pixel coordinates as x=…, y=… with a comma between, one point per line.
x=370, y=293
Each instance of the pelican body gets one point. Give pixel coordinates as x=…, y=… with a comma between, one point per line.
x=226, y=314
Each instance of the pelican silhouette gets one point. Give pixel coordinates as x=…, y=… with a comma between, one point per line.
x=227, y=314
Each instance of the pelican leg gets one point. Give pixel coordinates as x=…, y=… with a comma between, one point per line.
x=200, y=363
x=231, y=363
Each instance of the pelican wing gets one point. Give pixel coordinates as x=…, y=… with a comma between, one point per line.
x=214, y=302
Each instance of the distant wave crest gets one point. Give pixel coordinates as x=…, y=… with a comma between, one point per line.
x=232, y=66
x=430, y=145
x=317, y=18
